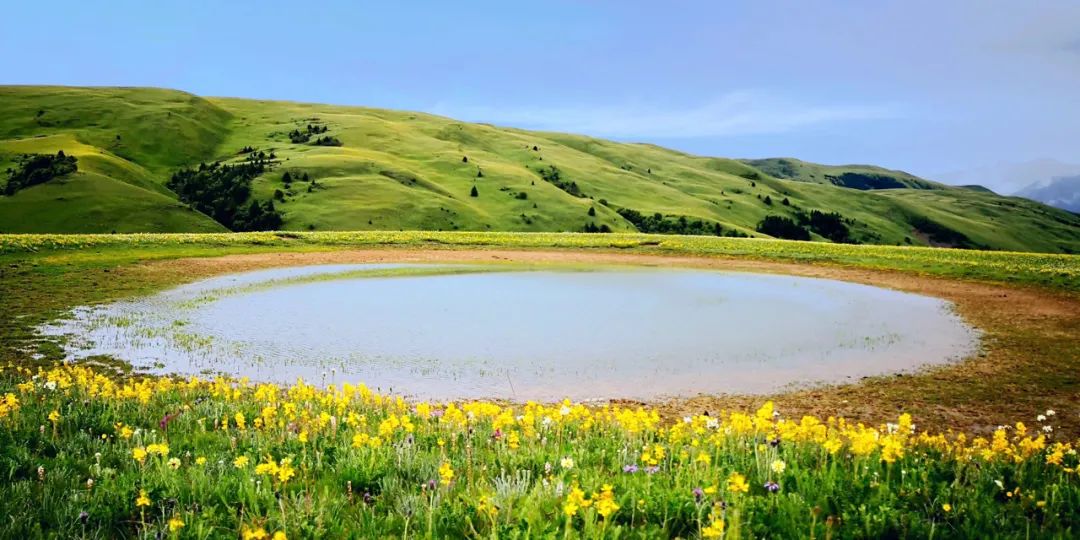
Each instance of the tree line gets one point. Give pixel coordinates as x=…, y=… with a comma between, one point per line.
x=221, y=191
x=831, y=225
x=34, y=169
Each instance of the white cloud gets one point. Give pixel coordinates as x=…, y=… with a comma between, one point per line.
x=732, y=114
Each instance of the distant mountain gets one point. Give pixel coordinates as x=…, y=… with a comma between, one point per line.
x=1010, y=177
x=1061, y=192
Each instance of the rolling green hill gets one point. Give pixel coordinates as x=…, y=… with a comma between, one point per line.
x=850, y=176
x=390, y=170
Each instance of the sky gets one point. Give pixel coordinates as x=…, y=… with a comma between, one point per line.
x=940, y=89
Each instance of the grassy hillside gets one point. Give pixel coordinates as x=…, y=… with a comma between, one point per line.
x=400, y=170
x=850, y=176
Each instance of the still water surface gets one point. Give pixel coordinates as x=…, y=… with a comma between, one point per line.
x=538, y=334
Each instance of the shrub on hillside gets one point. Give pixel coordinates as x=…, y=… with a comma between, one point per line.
x=782, y=227
x=661, y=224
x=327, y=141
x=34, y=169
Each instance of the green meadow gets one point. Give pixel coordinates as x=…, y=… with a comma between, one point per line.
x=397, y=170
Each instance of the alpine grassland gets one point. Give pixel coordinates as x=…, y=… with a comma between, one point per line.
x=985, y=448
x=142, y=153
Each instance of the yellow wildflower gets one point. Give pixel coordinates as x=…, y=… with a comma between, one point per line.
x=833, y=445
x=200, y=460
x=254, y=534
x=138, y=454
x=778, y=466
x=891, y=449
x=142, y=499
x=575, y=500
x=175, y=524
x=54, y=416
x=158, y=449
x=605, y=503
x=736, y=483
x=240, y=462
x=285, y=470
x=268, y=468
x=446, y=473
x=714, y=529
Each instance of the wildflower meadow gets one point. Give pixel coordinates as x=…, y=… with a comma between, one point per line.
x=84, y=453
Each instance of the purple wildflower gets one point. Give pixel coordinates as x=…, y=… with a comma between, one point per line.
x=772, y=487
x=698, y=494
x=631, y=469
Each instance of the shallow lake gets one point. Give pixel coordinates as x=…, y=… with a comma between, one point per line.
x=447, y=332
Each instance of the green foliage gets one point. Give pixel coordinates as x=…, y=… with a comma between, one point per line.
x=782, y=227
x=221, y=191
x=34, y=169
x=327, y=141
x=831, y=225
x=297, y=136
x=553, y=176
x=661, y=224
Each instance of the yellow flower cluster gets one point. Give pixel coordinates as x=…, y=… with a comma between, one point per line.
x=282, y=471
x=446, y=473
x=736, y=483
x=308, y=414
x=604, y=501
x=9, y=405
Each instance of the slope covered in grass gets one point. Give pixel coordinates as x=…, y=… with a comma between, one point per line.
x=389, y=170
x=851, y=176
x=126, y=142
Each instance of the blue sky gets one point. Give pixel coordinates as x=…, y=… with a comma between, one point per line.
x=930, y=87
